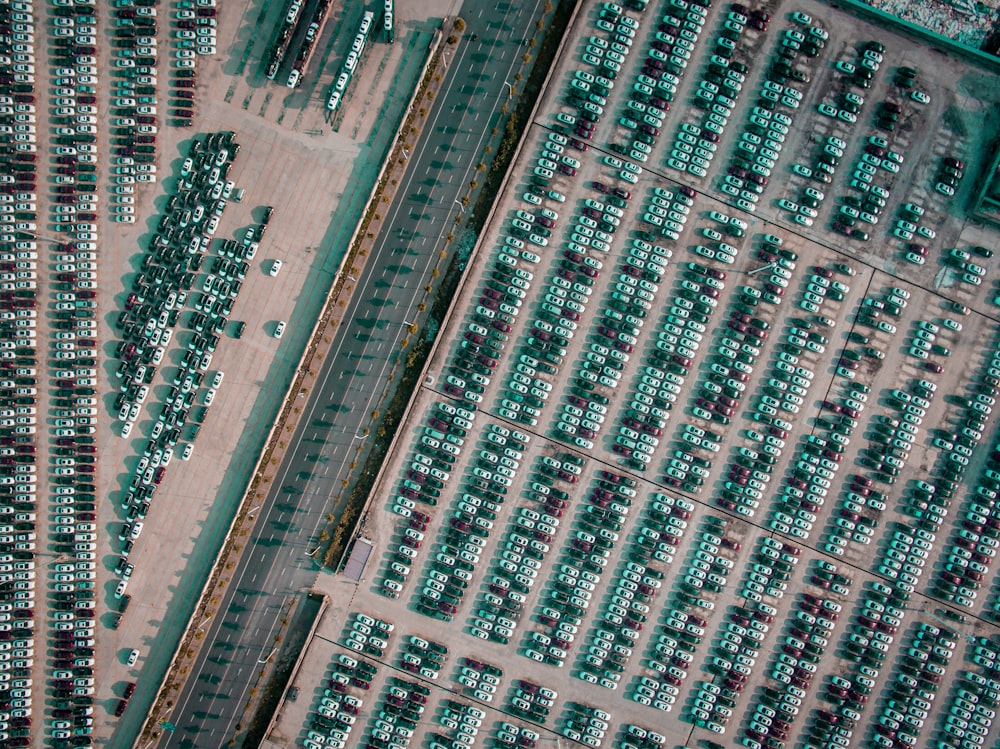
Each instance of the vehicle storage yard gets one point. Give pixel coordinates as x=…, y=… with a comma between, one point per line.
x=706, y=454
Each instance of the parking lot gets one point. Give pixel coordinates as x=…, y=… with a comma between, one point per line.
x=699, y=452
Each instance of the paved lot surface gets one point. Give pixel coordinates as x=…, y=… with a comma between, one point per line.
x=949, y=125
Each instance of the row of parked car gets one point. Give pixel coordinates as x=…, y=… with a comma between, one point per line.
x=73, y=357
x=632, y=299
x=479, y=680
x=636, y=737
x=781, y=395
x=193, y=35
x=630, y=303
x=858, y=515
x=152, y=310
x=818, y=458
x=678, y=33
x=570, y=289
x=524, y=548
x=965, y=264
x=856, y=76
x=195, y=21
x=661, y=529
x=516, y=735
x=518, y=562
x=848, y=97
x=398, y=712
x=808, y=637
x=426, y=478
x=606, y=54
x=718, y=394
x=619, y=325
x=585, y=723
x=502, y=297
x=717, y=93
x=564, y=303
x=583, y=560
x=924, y=665
x=645, y=558
x=745, y=627
x=19, y=354
x=974, y=700
x=762, y=139
x=175, y=253
x=529, y=701
x=424, y=657
x=368, y=635
x=75, y=115
x=460, y=724
x=335, y=714
x=740, y=636
x=974, y=543
x=134, y=86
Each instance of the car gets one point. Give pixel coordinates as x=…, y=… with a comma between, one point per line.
x=275, y=268
x=133, y=658
x=279, y=329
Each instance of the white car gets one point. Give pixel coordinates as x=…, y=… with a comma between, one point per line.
x=279, y=329
x=275, y=268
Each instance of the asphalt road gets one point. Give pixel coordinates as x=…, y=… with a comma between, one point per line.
x=277, y=568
